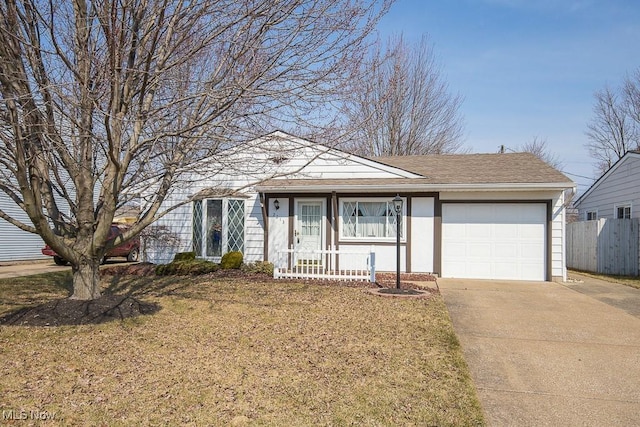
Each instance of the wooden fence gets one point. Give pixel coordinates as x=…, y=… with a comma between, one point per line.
x=607, y=246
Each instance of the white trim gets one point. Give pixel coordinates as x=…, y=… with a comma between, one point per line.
x=224, y=230
x=622, y=205
x=412, y=186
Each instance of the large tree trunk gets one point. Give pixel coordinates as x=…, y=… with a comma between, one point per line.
x=86, y=280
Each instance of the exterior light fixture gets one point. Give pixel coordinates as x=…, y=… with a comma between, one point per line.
x=276, y=204
x=397, y=206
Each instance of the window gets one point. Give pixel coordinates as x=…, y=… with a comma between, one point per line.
x=369, y=220
x=218, y=227
x=623, y=211
x=592, y=215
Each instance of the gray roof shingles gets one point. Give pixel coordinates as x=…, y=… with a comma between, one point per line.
x=470, y=169
x=478, y=168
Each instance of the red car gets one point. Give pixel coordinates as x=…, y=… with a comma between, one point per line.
x=130, y=250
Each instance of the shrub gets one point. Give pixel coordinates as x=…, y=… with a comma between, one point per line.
x=184, y=256
x=186, y=267
x=231, y=260
x=258, y=267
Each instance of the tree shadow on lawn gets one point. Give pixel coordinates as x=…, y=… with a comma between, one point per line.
x=126, y=287
x=30, y=291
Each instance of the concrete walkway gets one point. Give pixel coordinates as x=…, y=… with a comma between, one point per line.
x=8, y=270
x=541, y=353
x=623, y=297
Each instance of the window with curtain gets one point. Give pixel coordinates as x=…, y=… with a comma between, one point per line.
x=368, y=220
x=218, y=227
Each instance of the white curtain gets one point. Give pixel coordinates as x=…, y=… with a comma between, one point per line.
x=373, y=221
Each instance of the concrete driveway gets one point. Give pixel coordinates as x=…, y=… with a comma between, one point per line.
x=541, y=353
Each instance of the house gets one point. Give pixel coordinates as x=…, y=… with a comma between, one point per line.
x=483, y=216
x=17, y=244
x=616, y=194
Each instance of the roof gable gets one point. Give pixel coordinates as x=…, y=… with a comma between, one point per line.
x=628, y=156
x=299, y=157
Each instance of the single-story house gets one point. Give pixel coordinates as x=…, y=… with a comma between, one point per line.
x=616, y=194
x=481, y=216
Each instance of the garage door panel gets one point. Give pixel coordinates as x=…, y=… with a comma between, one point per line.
x=477, y=231
x=477, y=269
x=453, y=249
x=505, y=231
x=505, y=251
x=457, y=231
x=494, y=240
x=531, y=251
x=477, y=250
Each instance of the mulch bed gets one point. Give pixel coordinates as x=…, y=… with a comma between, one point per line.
x=75, y=312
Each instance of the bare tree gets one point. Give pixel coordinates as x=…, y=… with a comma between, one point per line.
x=615, y=126
x=103, y=98
x=401, y=105
x=538, y=147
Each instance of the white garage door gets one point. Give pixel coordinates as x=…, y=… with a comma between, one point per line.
x=494, y=240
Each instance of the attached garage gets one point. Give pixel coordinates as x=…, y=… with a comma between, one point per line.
x=494, y=241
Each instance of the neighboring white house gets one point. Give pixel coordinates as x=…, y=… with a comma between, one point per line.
x=484, y=216
x=17, y=244
x=616, y=194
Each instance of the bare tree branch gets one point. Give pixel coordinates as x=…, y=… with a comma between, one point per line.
x=401, y=104
x=615, y=126
x=101, y=98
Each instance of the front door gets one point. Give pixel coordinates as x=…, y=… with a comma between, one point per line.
x=308, y=232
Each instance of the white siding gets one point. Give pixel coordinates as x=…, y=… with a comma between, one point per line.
x=386, y=255
x=16, y=244
x=620, y=185
x=248, y=170
x=422, y=210
x=278, y=229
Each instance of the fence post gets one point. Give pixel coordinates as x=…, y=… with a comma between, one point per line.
x=372, y=266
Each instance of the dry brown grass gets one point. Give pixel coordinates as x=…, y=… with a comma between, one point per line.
x=239, y=352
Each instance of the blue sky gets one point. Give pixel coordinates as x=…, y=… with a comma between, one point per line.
x=527, y=68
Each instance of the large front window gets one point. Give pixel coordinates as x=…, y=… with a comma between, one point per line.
x=218, y=227
x=369, y=219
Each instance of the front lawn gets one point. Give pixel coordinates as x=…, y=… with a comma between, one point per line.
x=237, y=351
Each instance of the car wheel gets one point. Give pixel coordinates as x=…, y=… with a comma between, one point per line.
x=134, y=255
x=59, y=261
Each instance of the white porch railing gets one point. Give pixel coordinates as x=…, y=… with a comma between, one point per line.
x=328, y=264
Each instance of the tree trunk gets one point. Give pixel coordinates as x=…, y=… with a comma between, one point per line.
x=86, y=280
